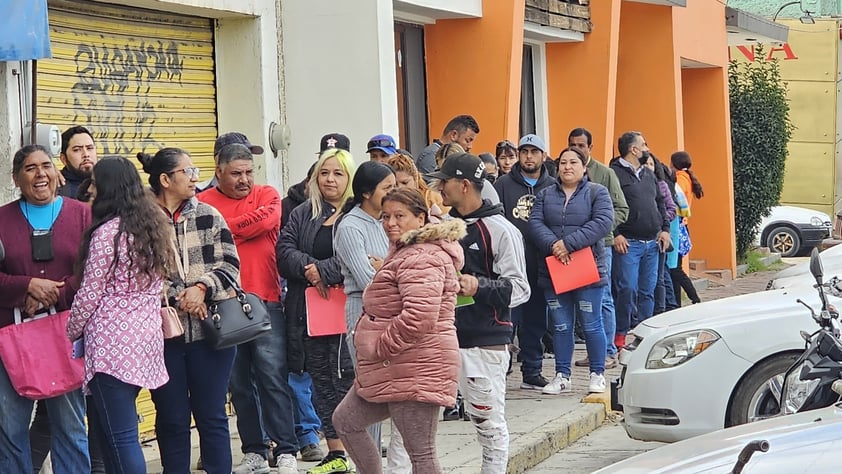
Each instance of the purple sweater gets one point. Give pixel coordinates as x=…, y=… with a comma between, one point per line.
x=18, y=268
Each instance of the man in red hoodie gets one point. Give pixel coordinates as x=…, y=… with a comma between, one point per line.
x=253, y=213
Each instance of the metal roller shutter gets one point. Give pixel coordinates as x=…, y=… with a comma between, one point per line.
x=141, y=80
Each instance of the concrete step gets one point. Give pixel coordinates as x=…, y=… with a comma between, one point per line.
x=701, y=284
x=698, y=265
x=724, y=275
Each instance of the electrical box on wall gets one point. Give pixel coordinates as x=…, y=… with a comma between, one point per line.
x=48, y=136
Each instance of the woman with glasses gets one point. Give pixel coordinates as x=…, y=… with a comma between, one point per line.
x=205, y=259
x=506, y=155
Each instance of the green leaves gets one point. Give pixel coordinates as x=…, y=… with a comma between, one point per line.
x=760, y=131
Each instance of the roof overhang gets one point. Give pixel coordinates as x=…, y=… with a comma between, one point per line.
x=550, y=34
x=746, y=28
x=428, y=11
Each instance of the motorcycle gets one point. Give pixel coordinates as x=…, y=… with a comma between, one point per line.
x=815, y=379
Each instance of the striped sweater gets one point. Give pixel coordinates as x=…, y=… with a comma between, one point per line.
x=206, y=246
x=358, y=236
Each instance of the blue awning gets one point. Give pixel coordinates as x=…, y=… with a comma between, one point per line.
x=24, y=30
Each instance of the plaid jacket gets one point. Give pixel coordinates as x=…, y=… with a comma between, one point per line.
x=206, y=247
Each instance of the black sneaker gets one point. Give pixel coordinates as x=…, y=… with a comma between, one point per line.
x=533, y=382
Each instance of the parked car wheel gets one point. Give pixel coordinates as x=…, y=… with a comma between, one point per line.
x=758, y=394
x=784, y=240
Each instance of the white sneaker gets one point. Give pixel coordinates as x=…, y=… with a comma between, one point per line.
x=597, y=384
x=287, y=464
x=252, y=463
x=558, y=384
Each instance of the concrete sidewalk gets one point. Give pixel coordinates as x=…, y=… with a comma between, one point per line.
x=539, y=425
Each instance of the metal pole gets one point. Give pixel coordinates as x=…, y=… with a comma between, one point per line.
x=33, y=122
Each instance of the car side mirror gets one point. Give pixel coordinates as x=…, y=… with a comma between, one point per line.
x=816, y=265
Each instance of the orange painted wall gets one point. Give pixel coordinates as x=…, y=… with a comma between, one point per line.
x=648, y=82
x=708, y=140
x=474, y=67
x=694, y=28
x=582, y=82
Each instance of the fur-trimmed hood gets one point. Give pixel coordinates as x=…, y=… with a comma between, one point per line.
x=445, y=235
x=450, y=230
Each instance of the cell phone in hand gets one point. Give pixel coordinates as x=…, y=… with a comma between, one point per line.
x=78, y=348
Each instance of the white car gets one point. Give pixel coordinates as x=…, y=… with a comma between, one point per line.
x=800, y=443
x=799, y=273
x=712, y=365
x=790, y=230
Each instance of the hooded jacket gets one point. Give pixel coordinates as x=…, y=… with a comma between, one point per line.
x=406, y=342
x=296, y=195
x=517, y=197
x=581, y=221
x=71, y=183
x=494, y=255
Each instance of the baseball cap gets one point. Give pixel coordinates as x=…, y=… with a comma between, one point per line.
x=235, y=137
x=532, y=140
x=334, y=140
x=384, y=143
x=462, y=166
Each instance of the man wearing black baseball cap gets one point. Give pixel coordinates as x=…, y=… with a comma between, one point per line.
x=220, y=143
x=495, y=276
x=334, y=140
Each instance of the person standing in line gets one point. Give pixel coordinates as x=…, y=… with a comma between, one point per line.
x=601, y=174
x=664, y=296
x=691, y=188
x=461, y=130
x=517, y=190
x=306, y=257
x=407, y=347
x=381, y=147
x=494, y=275
x=78, y=154
x=490, y=166
x=31, y=282
x=407, y=176
x=572, y=215
x=206, y=260
x=637, y=241
x=222, y=141
x=361, y=245
x=253, y=213
x=506, y=155
x=125, y=256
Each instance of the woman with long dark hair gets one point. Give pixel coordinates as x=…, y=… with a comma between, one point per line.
x=125, y=256
x=691, y=188
x=205, y=260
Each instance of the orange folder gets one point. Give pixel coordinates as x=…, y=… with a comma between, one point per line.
x=325, y=317
x=581, y=271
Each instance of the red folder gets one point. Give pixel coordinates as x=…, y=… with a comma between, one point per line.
x=581, y=271
x=325, y=317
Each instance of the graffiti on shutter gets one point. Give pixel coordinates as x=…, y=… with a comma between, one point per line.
x=140, y=80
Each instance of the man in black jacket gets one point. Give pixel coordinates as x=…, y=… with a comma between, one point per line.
x=494, y=275
x=637, y=241
x=517, y=191
x=78, y=154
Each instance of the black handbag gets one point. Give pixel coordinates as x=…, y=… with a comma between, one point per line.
x=236, y=320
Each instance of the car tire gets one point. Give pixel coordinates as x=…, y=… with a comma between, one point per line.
x=784, y=240
x=753, y=398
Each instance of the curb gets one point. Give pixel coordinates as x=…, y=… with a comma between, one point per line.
x=556, y=434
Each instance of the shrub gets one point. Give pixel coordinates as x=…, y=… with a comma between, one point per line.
x=760, y=131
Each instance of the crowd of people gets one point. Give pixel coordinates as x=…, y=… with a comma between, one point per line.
x=447, y=263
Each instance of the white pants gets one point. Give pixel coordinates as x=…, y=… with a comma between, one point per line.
x=482, y=382
x=397, y=459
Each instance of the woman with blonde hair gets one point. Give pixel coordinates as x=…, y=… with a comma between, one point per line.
x=306, y=257
x=407, y=176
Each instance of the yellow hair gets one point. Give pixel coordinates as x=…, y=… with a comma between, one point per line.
x=346, y=162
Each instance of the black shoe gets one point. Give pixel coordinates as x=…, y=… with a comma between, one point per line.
x=452, y=413
x=533, y=382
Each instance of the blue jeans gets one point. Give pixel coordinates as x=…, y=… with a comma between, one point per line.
x=69, y=443
x=660, y=289
x=115, y=412
x=307, y=422
x=587, y=303
x=198, y=385
x=609, y=321
x=261, y=393
x=634, y=276
x=531, y=321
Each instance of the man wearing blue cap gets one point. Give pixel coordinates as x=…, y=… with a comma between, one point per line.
x=381, y=147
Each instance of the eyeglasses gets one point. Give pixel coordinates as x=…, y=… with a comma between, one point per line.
x=382, y=142
x=506, y=144
x=191, y=172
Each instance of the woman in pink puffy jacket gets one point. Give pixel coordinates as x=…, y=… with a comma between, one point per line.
x=407, y=351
